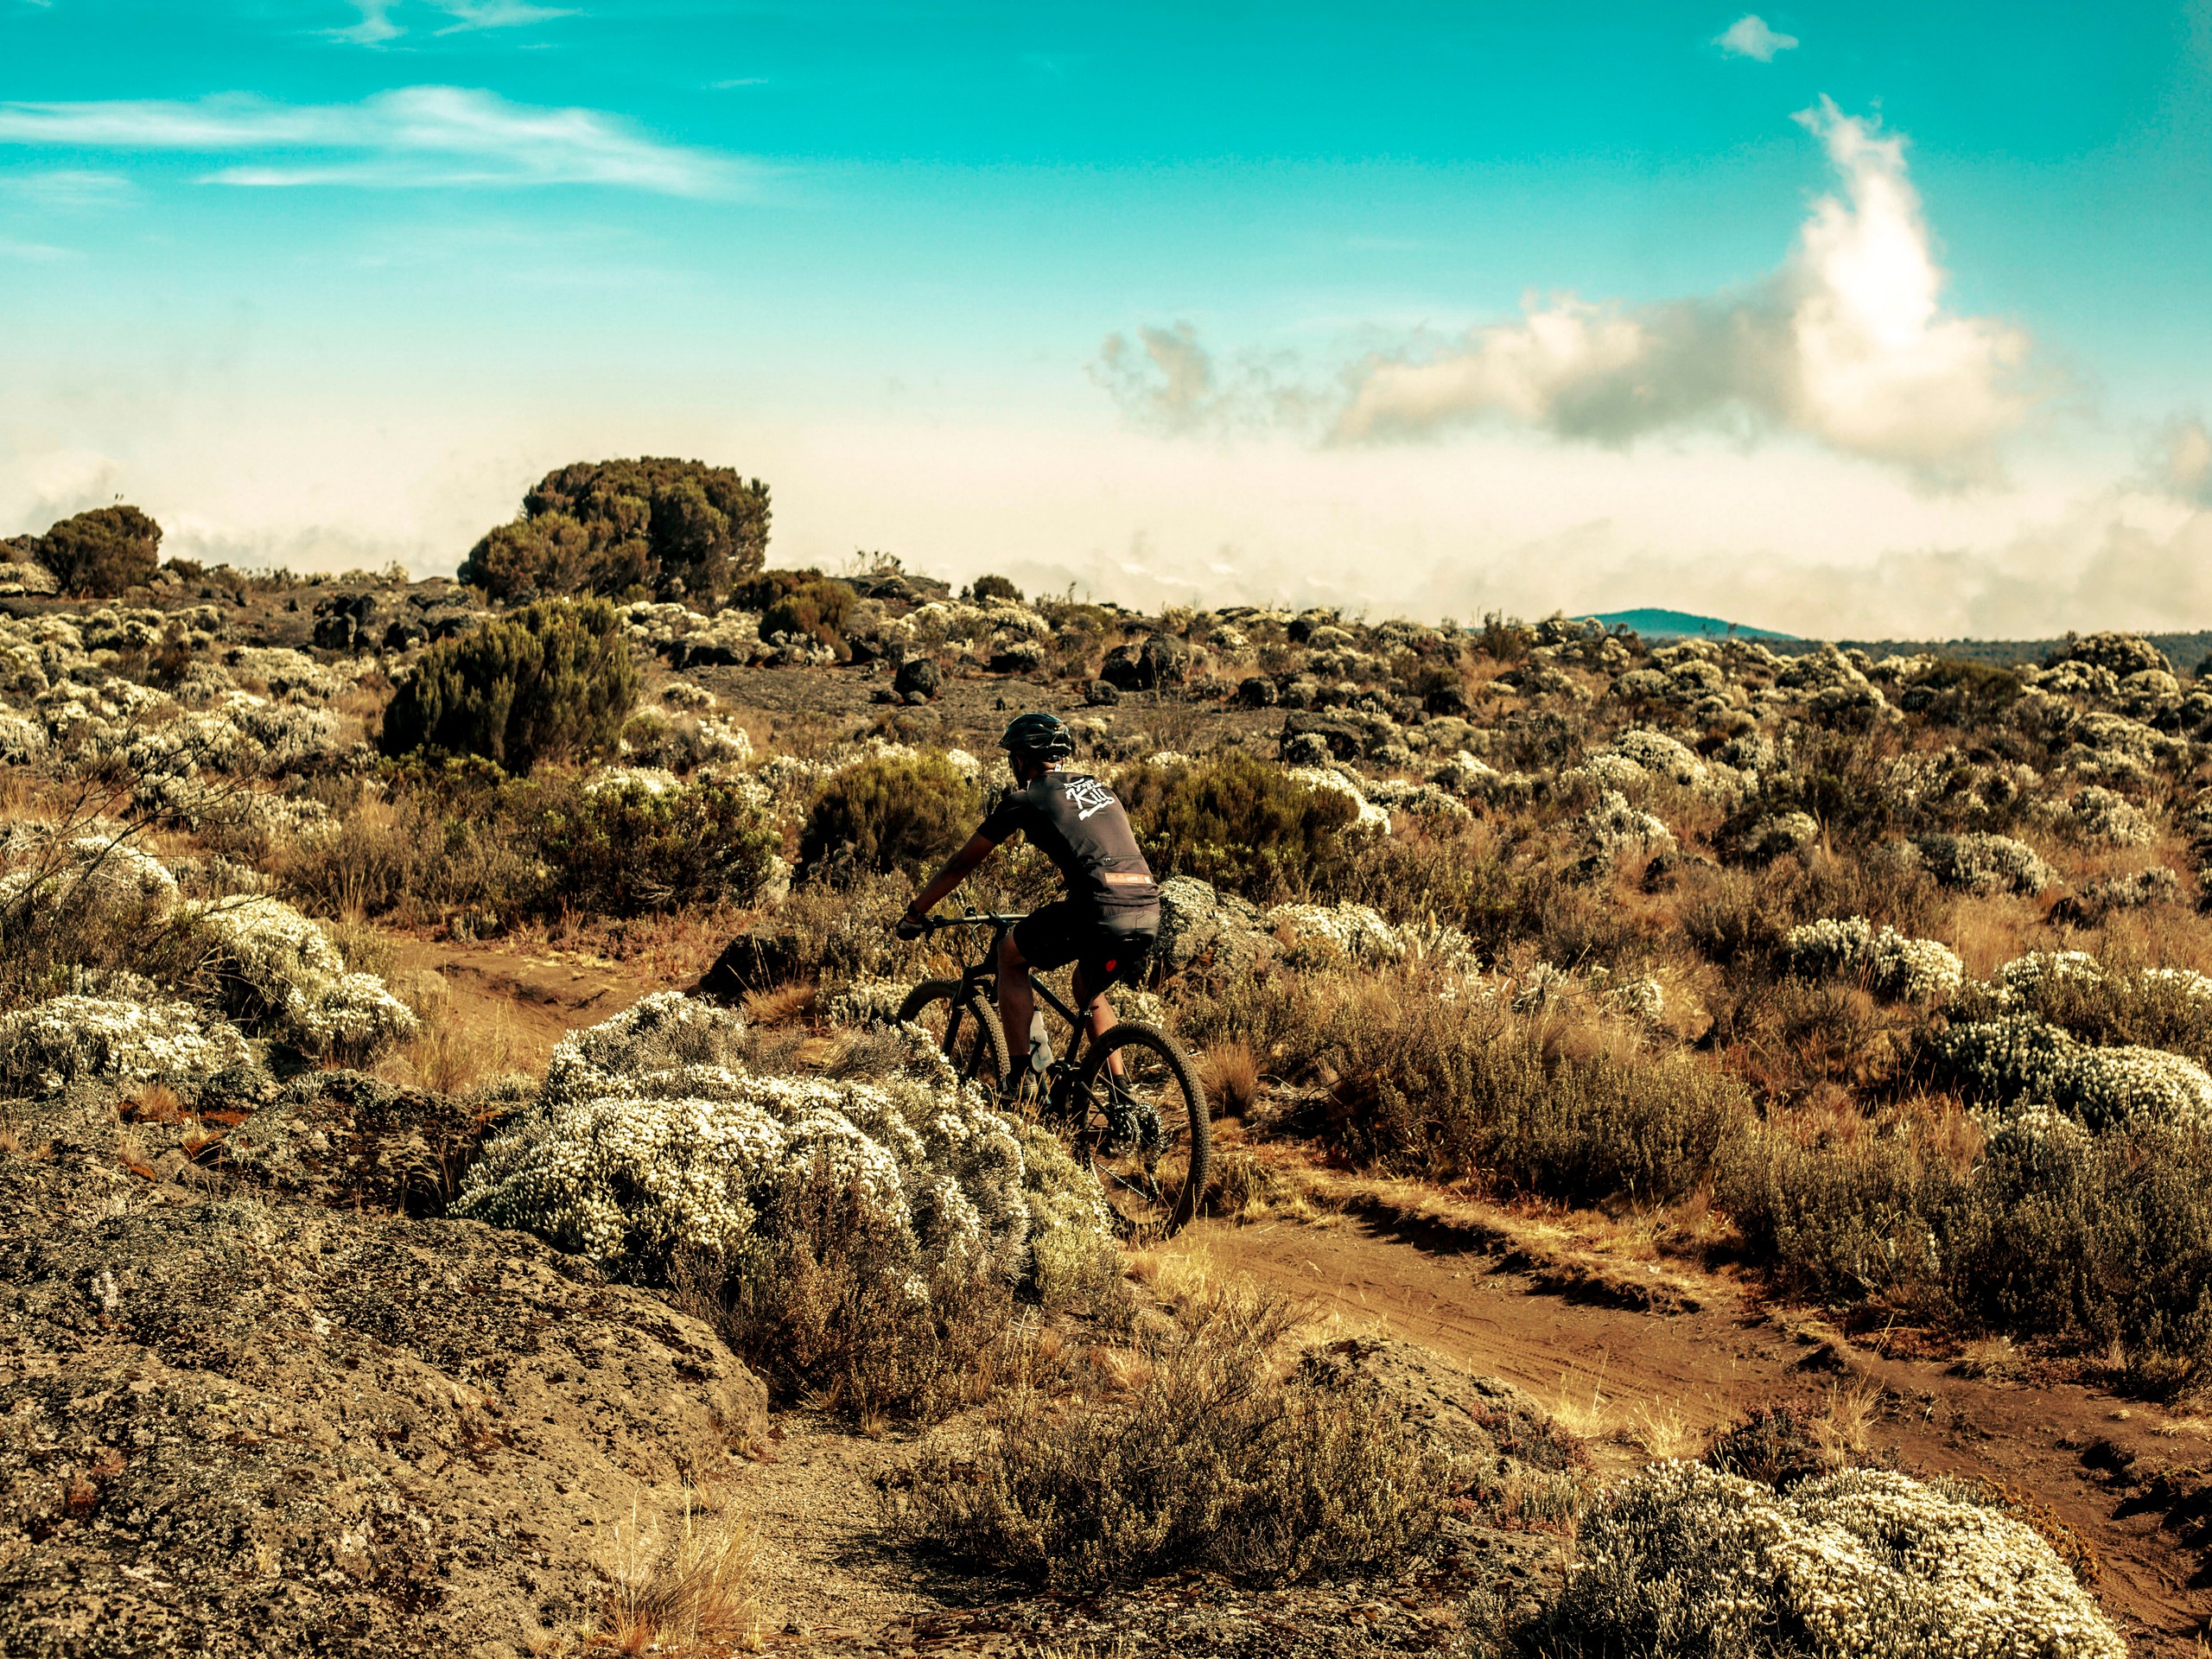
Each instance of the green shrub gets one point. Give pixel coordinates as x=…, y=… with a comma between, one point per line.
x=1212, y=1461
x=1457, y=1088
x=622, y=849
x=903, y=812
x=993, y=588
x=101, y=553
x=1852, y=1222
x=677, y=529
x=553, y=682
x=825, y=1311
x=1239, y=823
x=2092, y=1240
x=801, y=602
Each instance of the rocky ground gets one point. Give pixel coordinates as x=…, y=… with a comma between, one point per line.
x=237, y=1421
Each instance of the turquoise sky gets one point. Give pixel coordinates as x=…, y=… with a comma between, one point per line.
x=330, y=282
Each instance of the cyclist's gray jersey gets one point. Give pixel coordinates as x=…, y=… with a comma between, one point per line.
x=1075, y=821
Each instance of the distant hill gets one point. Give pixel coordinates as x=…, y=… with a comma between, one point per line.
x=1681, y=625
x=2187, y=651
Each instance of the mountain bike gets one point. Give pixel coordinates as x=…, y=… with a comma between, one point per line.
x=1129, y=1102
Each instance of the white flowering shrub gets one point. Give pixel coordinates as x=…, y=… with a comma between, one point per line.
x=1660, y=756
x=1344, y=932
x=22, y=738
x=1983, y=864
x=2013, y=1064
x=653, y=1138
x=686, y=740
x=92, y=874
x=1890, y=963
x=291, y=734
x=2029, y=976
x=284, y=976
x=1372, y=819
x=866, y=1002
x=118, y=1039
x=286, y=673
x=1681, y=1560
x=2101, y=814
x=1616, y=828
x=1425, y=801
x=1464, y=775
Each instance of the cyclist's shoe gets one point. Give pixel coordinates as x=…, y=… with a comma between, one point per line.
x=1020, y=1087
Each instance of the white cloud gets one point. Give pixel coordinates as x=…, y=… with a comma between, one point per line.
x=375, y=25
x=2181, y=466
x=409, y=136
x=1750, y=37
x=1848, y=344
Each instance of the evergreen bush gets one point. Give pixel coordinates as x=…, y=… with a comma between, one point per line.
x=553, y=682
x=102, y=552
x=895, y=812
x=1238, y=823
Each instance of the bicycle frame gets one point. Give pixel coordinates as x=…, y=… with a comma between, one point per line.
x=982, y=978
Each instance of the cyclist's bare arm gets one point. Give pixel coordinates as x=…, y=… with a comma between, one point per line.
x=956, y=871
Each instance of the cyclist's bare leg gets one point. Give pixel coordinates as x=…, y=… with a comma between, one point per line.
x=1102, y=1019
x=1017, y=1001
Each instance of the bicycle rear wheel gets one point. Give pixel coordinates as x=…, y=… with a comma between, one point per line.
x=1146, y=1132
x=964, y=1024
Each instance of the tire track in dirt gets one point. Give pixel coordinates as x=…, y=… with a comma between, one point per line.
x=1615, y=1372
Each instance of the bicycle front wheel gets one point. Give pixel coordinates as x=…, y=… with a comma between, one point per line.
x=964, y=1026
x=1144, y=1128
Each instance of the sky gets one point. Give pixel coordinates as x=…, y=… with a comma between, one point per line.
x=1866, y=320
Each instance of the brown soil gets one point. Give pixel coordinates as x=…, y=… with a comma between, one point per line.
x=526, y=998
x=1627, y=1375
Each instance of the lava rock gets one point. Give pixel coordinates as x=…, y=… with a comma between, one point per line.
x=918, y=677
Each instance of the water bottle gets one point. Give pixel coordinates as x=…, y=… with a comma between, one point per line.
x=1040, y=1043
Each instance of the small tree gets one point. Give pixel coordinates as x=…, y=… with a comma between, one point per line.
x=553, y=682
x=994, y=588
x=678, y=529
x=102, y=552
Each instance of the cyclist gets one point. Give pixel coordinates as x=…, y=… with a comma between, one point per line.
x=1107, y=921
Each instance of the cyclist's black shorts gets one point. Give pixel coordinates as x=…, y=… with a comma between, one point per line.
x=1107, y=945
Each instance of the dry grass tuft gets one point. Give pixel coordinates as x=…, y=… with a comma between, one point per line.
x=781, y=1006
x=452, y=1056
x=1230, y=1072
x=692, y=1589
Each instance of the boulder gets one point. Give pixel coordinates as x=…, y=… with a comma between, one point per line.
x=918, y=677
x=1199, y=926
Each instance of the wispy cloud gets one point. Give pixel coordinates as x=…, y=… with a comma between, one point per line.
x=2182, y=463
x=67, y=187
x=377, y=24
x=412, y=136
x=1167, y=382
x=1848, y=344
x=1750, y=37
x=38, y=252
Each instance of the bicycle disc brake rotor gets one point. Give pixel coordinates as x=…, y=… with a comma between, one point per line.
x=1131, y=1123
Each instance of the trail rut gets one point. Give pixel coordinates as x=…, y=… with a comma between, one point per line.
x=1621, y=1374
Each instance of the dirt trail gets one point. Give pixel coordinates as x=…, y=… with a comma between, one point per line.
x=1615, y=1371
x=527, y=999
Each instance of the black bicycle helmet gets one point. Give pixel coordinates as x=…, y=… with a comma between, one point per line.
x=1040, y=737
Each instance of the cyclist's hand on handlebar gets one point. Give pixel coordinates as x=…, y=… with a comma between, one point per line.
x=911, y=926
